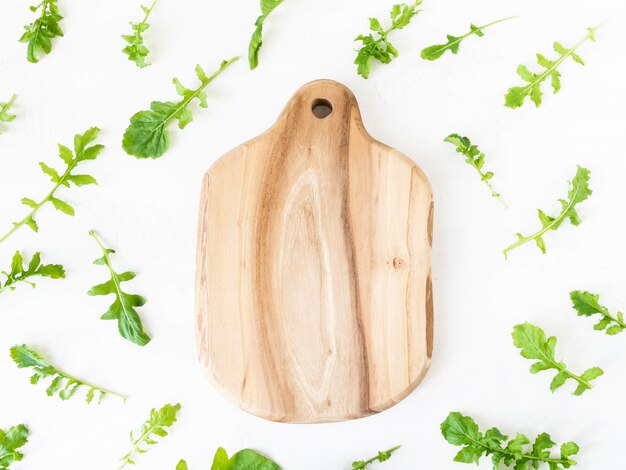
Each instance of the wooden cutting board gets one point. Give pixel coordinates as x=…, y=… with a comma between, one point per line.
x=313, y=284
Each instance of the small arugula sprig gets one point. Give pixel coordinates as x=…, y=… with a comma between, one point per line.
x=475, y=158
x=40, y=32
x=588, y=304
x=4, y=111
x=516, y=95
x=382, y=456
x=256, y=41
x=154, y=426
x=62, y=382
x=380, y=48
x=81, y=154
x=11, y=440
x=123, y=308
x=147, y=135
x=245, y=459
x=135, y=49
x=463, y=431
x=436, y=51
x=578, y=192
x=533, y=344
x=19, y=273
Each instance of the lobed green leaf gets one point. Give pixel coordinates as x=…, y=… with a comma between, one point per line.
x=123, y=307
x=81, y=153
x=379, y=48
x=135, y=49
x=61, y=382
x=516, y=96
x=475, y=158
x=10, y=441
x=39, y=33
x=20, y=273
x=147, y=136
x=256, y=41
x=578, y=191
x=533, y=344
x=463, y=431
x=155, y=426
x=453, y=42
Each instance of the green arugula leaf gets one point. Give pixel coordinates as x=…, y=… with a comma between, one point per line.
x=463, y=431
x=516, y=95
x=81, y=153
x=256, y=41
x=62, y=382
x=379, y=48
x=382, y=456
x=135, y=49
x=475, y=158
x=147, y=135
x=533, y=344
x=123, y=308
x=588, y=304
x=436, y=51
x=578, y=192
x=154, y=426
x=4, y=111
x=19, y=273
x=40, y=32
x=11, y=440
x=245, y=459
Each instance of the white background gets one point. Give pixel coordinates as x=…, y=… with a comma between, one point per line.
x=147, y=210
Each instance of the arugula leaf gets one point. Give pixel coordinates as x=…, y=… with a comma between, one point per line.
x=379, y=47
x=20, y=274
x=11, y=440
x=475, y=158
x=463, y=431
x=256, y=41
x=147, y=135
x=62, y=382
x=135, y=49
x=4, y=111
x=154, y=426
x=516, y=95
x=245, y=459
x=588, y=304
x=533, y=344
x=436, y=51
x=578, y=192
x=40, y=32
x=122, y=309
x=81, y=154
x=382, y=456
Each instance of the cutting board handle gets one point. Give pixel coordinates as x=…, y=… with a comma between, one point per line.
x=320, y=106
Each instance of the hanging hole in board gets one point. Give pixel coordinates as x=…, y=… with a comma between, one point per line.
x=321, y=108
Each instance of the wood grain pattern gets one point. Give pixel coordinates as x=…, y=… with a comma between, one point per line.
x=313, y=284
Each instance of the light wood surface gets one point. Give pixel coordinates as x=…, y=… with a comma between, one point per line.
x=313, y=283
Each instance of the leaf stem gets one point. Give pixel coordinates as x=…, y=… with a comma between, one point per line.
x=556, y=365
x=107, y=261
x=475, y=31
x=501, y=450
x=187, y=100
x=549, y=226
x=486, y=181
x=6, y=106
x=92, y=386
x=377, y=457
x=560, y=60
x=148, y=11
x=29, y=217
